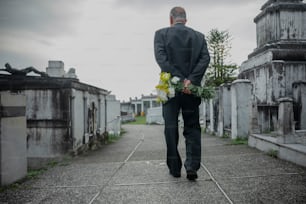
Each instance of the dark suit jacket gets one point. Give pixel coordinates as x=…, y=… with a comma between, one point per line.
x=182, y=52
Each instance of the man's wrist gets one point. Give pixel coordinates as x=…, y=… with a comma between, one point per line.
x=187, y=82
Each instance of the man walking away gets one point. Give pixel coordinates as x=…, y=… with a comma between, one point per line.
x=182, y=52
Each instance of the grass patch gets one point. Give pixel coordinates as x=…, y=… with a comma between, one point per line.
x=65, y=162
x=139, y=120
x=52, y=164
x=203, y=130
x=113, y=137
x=13, y=186
x=31, y=174
x=122, y=131
x=225, y=136
x=34, y=173
x=272, y=153
x=239, y=141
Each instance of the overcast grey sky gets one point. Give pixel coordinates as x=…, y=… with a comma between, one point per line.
x=110, y=42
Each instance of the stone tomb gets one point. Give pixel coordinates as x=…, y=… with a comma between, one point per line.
x=62, y=114
x=279, y=59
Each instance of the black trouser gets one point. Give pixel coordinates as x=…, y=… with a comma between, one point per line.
x=189, y=105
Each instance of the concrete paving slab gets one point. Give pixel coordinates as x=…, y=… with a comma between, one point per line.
x=143, y=172
x=168, y=193
x=108, y=154
x=149, y=155
x=76, y=175
x=117, y=151
x=224, y=166
x=266, y=189
x=153, y=146
x=49, y=195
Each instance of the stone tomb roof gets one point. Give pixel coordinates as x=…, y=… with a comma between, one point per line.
x=275, y=5
x=270, y=2
x=18, y=83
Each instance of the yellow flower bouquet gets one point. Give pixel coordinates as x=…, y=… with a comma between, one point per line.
x=169, y=85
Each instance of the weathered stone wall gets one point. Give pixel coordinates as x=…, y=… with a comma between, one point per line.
x=274, y=80
x=48, y=119
x=271, y=82
x=88, y=113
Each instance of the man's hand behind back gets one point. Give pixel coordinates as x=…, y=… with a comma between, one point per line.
x=186, y=86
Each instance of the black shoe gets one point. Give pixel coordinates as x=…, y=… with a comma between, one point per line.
x=192, y=175
x=175, y=175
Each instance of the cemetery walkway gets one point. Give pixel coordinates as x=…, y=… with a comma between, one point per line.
x=133, y=170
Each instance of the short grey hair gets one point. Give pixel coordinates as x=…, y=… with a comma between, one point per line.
x=178, y=13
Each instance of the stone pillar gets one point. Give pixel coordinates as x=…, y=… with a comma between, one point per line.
x=241, y=99
x=113, y=115
x=211, y=116
x=299, y=97
x=204, y=114
x=101, y=112
x=13, y=141
x=85, y=109
x=220, y=129
x=285, y=121
x=224, y=118
x=142, y=107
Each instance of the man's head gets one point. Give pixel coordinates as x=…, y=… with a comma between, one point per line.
x=177, y=15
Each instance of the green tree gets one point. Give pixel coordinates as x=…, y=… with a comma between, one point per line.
x=219, y=71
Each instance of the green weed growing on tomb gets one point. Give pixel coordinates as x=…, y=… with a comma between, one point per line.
x=273, y=153
x=239, y=141
x=139, y=120
x=203, y=130
x=122, y=131
x=225, y=136
x=34, y=174
x=111, y=138
x=52, y=163
x=31, y=174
